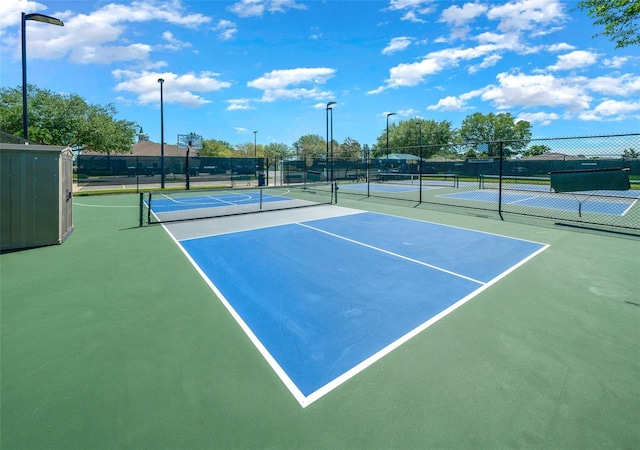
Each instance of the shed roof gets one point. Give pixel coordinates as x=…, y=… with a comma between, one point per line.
x=34, y=148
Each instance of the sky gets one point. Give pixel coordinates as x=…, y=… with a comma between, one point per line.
x=234, y=67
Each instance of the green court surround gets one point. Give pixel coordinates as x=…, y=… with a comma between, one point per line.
x=113, y=340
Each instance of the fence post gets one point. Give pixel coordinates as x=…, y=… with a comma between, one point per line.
x=141, y=208
x=500, y=144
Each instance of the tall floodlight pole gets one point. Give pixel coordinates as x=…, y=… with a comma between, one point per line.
x=37, y=18
x=327, y=114
x=255, y=151
x=389, y=114
x=419, y=122
x=162, y=176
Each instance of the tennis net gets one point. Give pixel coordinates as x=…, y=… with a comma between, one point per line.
x=431, y=179
x=516, y=183
x=174, y=206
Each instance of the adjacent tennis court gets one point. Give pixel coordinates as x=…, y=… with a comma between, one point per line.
x=583, y=202
x=185, y=205
x=324, y=298
x=165, y=203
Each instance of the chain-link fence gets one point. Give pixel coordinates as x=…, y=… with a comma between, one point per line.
x=591, y=181
x=586, y=181
x=136, y=171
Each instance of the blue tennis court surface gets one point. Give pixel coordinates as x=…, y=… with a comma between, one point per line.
x=391, y=187
x=163, y=204
x=565, y=202
x=323, y=299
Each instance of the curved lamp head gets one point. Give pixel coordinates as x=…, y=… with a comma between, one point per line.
x=42, y=18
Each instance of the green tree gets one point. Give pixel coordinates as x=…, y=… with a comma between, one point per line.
x=247, y=150
x=56, y=119
x=631, y=153
x=493, y=128
x=311, y=146
x=103, y=134
x=276, y=152
x=619, y=18
x=214, y=147
x=536, y=150
x=471, y=154
x=404, y=137
x=350, y=150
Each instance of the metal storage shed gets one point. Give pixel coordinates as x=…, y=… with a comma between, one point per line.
x=36, y=195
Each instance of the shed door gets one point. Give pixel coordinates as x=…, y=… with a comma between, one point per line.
x=66, y=193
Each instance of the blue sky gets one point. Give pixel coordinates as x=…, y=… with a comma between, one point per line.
x=231, y=68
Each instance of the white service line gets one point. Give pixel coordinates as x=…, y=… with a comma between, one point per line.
x=394, y=254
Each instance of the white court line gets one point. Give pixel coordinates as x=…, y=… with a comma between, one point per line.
x=297, y=394
x=105, y=206
x=393, y=254
x=629, y=208
x=411, y=334
x=524, y=199
x=305, y=401
x=169, y=198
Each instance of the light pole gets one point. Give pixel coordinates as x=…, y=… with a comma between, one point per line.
x=162, y=176
x=327, y=114
x=389, y=114
x=37, y=18
x=255, y=152
x=419, y=122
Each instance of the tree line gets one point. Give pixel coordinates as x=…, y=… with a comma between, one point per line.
x=65, y=119
x=69, y=120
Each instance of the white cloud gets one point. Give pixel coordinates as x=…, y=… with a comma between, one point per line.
x=10, y=11
x=239, y=104
x=460, y=16
x=248, y=8
x=411, y=112
x=452, y=103
x=109, y=54
x=411, y=74
x=98, y=37
x=541, y=118
x=616, y=62
x=397, y=44
x=407, y=112
x=282, y=84
x=412, y=9
x=560, y=47
x=144, y=11
x=449, y=103
x=226, y=29
x=527, y=15
x=520, y=90
x=176, y=88
x=489, y=61
x=574, y=60
x=610, y=110
x=622, y=85
x=283, y=5
x=256, y=8
x=411, y=16
x=173, y=43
